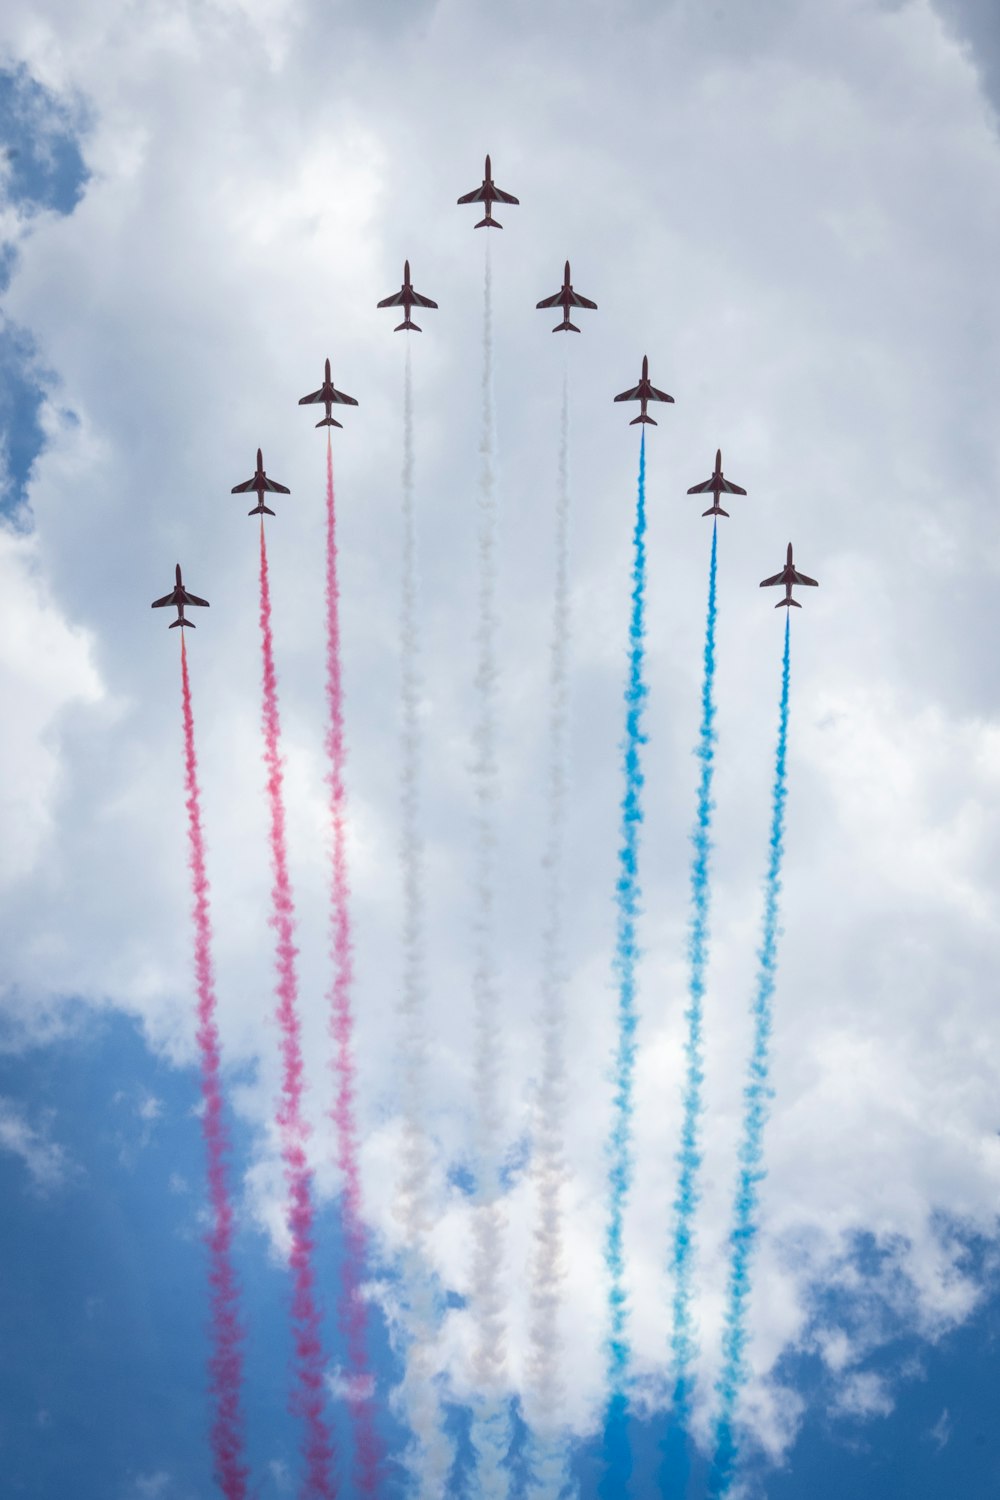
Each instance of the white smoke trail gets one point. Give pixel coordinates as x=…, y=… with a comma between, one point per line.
x=490, y=1433
x=429, y=1459
x=548, y=1458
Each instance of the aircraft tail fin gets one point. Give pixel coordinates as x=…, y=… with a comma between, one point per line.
x=406, y=323
x=489, y=222
x=329, y=422
x=174, y=623
x=784, y=603
x=261, y=510
x=651, y=420
x=715, y=510
x=567, y=325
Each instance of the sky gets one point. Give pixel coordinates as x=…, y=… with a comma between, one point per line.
x=796, y=216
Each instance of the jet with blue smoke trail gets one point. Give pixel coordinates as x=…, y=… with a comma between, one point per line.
x=617, y=1450
x=789, y=575
x=715, y=485
x=644, y=392
x=755, y=1096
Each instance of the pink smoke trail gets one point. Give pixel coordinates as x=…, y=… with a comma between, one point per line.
x=307, y=1402
x=226, y=1361
x=353, y=1312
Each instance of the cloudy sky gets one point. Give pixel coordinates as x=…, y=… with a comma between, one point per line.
x=796, y=214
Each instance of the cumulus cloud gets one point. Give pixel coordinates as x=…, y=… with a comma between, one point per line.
x=778, y=235
x=46, y=1161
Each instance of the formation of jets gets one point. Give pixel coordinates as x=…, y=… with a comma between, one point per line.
x=566, y=298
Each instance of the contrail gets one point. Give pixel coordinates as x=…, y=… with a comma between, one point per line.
x=617, y=1449
x=307, y=1400
x=756, y=1095
x=689, y=1156
x=548, y=1459
x=429, y=1460
x=490, y=1433
x=226, y=1361
x=353, y=1312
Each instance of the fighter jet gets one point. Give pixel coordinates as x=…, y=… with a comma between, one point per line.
x=406, y=298
x=260, y=483
x=489, y=194
x=643, y=392
x=789, y=575
x=567, y=298
x=180, y=597
x=328, y=394
x=716, y=486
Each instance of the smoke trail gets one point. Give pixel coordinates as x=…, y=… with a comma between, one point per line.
x=353, y=1312
x=755, y=1096
x=689, y=1155
x=490, y=1432
x=226, y=1361
x=617, y=1450
x=430, y=1458
x=547, y=1451
x=307, y=1401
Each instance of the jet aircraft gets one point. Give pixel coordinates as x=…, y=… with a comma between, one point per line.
x=789, y=575
x=643, y=392
x=489, y=194
x=328, y=394
x=180, y=597
x=716, y=486
x=406, y=298
x=567, y=298
x=260, y=483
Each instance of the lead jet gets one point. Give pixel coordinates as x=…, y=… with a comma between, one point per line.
x=789, y=575
x=567, y=298
x=180, y=597
x=260, y=483
x=716, y=486
x=643, y=392
x=488, y=193
x=328, y=394
x=406, y=298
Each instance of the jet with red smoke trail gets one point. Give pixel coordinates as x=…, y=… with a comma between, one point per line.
x=567, y=298
x=717, y=485
x=643, y=392
x=406, y=298
x=260, y=483
x=180, y=597
x=328, y=394
x=789, y=575
x=487, y=192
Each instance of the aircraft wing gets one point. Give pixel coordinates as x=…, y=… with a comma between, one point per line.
x=479, y=196
x=577, y=301
x=766, y=583
x=343, y=398
x=159, y=603
x=732, y=489
x=193, y=599
x=275, y=487
x=555, y=301
x=708, y=488
x=635, y=394
x=503, y=197
x=313, y=396
x=396, y=300
x=420, y=301
x=801, y=578
x=244, y=489
x=655, y=395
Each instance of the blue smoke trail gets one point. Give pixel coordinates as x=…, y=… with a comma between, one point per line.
x=683, y=1342
x=756, y=1096
x=617, y=1451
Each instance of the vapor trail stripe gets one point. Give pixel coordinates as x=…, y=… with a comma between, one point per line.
x=547, y=1445
x=683, y=1343
x=617, y=1450
x=353, y=1312
x=308, y=1394
x=490, y=1431
x=226, y=1359
x=429, y=1459
x=756, y=1095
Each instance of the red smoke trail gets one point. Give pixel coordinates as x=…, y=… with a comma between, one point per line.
x=353, y=1313
x=308, y=1401
x=226, y=1362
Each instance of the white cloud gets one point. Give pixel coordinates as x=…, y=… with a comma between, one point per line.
x=769, y=212
x=47, y=1162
